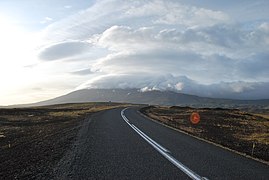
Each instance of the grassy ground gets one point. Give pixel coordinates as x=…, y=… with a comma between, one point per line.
x=240, y=131
x=33, y=140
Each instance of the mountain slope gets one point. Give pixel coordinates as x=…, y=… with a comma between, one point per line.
x=149, y=97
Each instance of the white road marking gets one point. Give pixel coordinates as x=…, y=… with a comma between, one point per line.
x=143, y=134
x=149, y=139
x=163, y=151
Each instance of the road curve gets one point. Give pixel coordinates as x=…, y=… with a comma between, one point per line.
x=122, y=144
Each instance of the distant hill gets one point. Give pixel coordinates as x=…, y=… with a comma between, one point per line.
x=150, y=97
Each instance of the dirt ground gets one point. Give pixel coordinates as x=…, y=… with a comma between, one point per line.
x=33, y=140
x=238, y=130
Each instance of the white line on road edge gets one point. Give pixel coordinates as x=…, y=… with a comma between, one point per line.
x=163, y=151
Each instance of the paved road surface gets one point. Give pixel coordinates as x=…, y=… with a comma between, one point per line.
x=122, y=144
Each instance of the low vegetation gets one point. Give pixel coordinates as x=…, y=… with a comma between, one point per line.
x=238, y=130
x=33, y=140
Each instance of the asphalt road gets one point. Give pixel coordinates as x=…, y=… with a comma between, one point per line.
x=122, y=144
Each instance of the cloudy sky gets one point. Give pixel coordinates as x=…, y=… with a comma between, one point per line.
x=207, y=48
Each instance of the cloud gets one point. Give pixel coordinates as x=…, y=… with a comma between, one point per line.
x=149, y=82
x=63, y=50
x=83, y=72
x=139, y=42
x=239, y=90
x=172, y=12
x=124, y=37
x=255, y=66
x=46, y=20
x=208, y=48
x=231, y=40
x=107, y=13
x=205, y=54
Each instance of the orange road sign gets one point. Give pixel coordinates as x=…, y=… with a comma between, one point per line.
x=195, y=118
